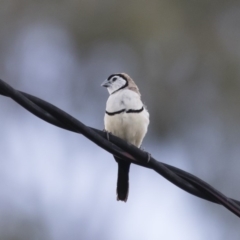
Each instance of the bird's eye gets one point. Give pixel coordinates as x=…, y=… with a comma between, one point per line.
x=114, y=79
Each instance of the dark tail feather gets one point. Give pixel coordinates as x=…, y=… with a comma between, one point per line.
x=122, y=181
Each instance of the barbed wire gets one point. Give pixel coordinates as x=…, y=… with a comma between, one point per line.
x=119, y=148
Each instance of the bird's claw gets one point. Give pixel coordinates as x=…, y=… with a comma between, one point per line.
x=149, y=155
x=108, y=136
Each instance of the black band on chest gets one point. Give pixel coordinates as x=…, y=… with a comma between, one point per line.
x=114, y=113
x=135, y=110
x=124, y=110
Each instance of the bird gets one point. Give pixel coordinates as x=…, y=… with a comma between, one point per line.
x=127, y=118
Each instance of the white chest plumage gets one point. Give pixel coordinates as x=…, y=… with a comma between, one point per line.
x=130, y=126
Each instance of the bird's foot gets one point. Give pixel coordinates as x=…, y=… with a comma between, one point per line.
x=108, y=136
x=149, y=155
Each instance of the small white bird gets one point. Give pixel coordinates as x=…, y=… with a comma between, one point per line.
x=125, y=117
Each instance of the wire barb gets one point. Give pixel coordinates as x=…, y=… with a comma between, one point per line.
x=119, y=147
x=149, y=157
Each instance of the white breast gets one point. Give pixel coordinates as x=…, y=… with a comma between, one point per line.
x=131, y=127
x=124, y=99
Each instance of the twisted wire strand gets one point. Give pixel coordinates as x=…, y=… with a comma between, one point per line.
x=119, y=147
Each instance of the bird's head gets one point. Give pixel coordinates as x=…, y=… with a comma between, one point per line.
x=116, y=82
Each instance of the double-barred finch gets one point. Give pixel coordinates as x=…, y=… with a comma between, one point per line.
x=125, y=117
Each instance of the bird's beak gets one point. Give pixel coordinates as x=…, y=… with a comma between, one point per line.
x=105, y=84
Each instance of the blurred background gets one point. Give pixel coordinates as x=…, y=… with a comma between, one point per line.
x=185, y=58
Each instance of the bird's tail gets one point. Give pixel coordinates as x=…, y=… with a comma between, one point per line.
x=122, y=181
